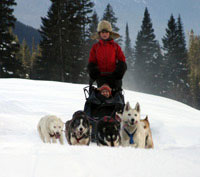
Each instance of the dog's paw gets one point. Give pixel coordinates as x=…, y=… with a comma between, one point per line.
x=134, y=145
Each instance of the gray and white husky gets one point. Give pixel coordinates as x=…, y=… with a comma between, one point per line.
x=132, y=130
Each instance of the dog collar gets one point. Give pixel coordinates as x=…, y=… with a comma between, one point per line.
x=84, y=136
x=78, y=139
x=130, y=135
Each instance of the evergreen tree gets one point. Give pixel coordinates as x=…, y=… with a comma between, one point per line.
x=169, y=46
x=128, y=51
x=175, y=58
x=51, y=63
x=109, y=15
x=89, y=43
x=34, y=55
x=9, y=65
x=25, y=57
x=93, y=27
x=147, y=58
x=182, y=69
x=84, y=19
x=194, y=65
x=158, y=84
x=38, y=65
x=63, y=37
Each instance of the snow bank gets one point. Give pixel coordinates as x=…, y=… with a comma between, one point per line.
x=175, y=128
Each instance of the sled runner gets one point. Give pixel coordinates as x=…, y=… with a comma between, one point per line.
x=96, y=107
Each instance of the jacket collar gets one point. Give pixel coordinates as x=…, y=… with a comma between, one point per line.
x=106, y=42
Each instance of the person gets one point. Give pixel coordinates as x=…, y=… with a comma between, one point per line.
x=105, y=91
x=107, y=63
x=106, y=97
x=100, y=104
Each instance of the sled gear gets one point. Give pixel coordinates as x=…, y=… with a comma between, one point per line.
x=97, y=106
x=104, y=26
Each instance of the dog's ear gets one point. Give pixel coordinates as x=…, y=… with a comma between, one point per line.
x=119, y=114
x=137, y=107
x=116, y=127
x=61, y=121
x=118, y=117
x=127, y=106
x=146, y=118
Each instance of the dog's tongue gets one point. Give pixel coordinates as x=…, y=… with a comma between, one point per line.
x=57, y=136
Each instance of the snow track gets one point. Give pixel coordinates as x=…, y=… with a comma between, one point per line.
x=175, y=129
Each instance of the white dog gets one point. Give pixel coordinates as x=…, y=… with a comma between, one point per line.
x=50, y=128
x=132, y=131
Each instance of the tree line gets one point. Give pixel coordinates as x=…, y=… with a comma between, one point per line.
x=169, y=70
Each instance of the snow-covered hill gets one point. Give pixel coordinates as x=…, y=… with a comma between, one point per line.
x=175, y=128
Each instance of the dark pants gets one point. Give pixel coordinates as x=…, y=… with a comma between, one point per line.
x=113, y=83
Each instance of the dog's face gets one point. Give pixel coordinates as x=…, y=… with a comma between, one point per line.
x=80, y=123
x=56, y=127
x=111, y=134
x=108, y=132
x=130, y=116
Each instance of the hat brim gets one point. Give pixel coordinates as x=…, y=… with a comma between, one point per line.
x=113, y=35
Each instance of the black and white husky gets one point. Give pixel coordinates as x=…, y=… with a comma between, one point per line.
x=132, y=130
x=78, y=129
x=108, y=132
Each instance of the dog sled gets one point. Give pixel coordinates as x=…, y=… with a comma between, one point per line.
x=97, y=109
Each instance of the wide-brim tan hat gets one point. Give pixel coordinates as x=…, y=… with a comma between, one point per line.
x=104, y=25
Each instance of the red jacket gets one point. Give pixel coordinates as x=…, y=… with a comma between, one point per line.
x=106, y=54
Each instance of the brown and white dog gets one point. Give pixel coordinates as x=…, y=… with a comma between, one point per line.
x=148, y=134
x=132, y=130
x=78, y=129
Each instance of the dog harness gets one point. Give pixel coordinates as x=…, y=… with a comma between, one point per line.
x=130, y=135
x=84, y=136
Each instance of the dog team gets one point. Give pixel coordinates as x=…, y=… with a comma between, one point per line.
x=107, y=66
x=126, y=129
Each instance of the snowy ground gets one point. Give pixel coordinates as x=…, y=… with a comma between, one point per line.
x=175, y=128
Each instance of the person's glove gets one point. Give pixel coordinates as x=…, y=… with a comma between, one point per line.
x=93, y=70
x=120, y=70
